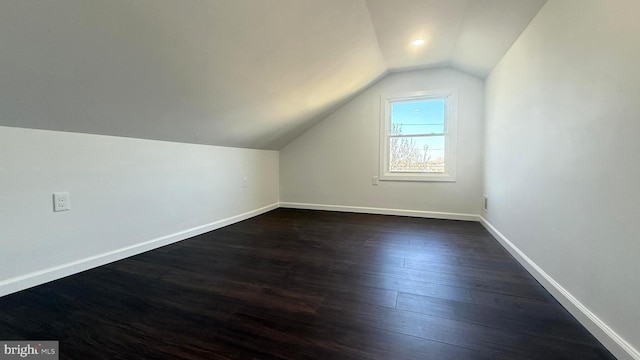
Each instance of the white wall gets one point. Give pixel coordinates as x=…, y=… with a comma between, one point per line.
x=562, y=156
x=333, y=162
x=127, y=195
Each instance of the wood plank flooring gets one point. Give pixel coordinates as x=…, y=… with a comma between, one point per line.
x=300, y=284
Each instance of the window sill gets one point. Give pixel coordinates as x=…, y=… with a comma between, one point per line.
x=440, y=177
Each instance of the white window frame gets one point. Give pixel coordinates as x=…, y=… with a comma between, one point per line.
x=450, y=129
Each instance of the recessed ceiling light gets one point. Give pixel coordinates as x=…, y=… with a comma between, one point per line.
x=417, y=42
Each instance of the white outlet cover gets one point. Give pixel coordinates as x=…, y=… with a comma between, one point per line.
x=61, y=201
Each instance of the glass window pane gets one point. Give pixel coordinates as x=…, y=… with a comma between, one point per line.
x=417, y=117
x=417, y=154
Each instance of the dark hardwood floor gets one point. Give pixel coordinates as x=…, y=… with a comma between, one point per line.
x=298, y=284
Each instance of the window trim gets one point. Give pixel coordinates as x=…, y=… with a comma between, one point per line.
x=451, y=135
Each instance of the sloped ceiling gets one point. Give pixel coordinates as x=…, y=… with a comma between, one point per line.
x=241, y=73
x=471, y=35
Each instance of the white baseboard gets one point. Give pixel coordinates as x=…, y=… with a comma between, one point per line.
x=53, y=273
x=382, y=211
x=607, y=336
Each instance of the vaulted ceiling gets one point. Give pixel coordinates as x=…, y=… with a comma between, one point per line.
x=241, y=73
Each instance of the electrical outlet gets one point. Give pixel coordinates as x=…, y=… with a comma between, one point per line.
x=374, y=180
x=485, y=203
x=245, y=182
x=61, y=201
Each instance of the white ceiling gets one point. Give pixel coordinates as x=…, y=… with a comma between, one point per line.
x=471, y=35
x=239, y=73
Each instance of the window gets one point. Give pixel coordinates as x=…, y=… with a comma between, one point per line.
x=418, y=136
